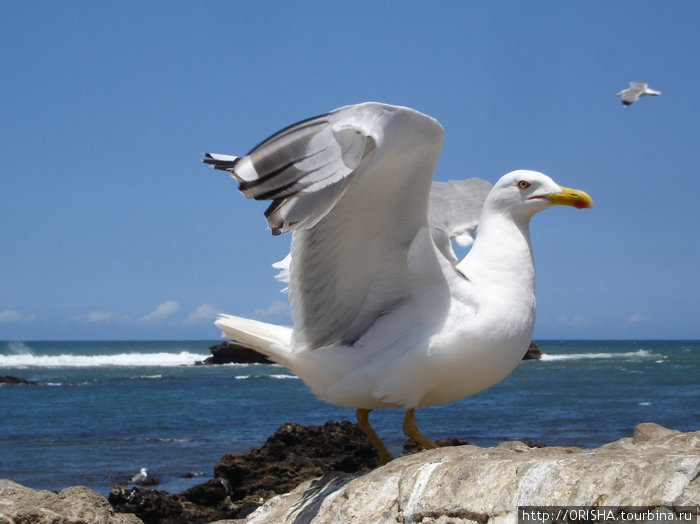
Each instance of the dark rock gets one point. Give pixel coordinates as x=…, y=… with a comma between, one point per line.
x=20, y=381
x=208, y=494
x=149, y=505
x=410, y=447
x=292, y=455
x=232, y=353
x=531, y=444
x=149, y=481
x=533, y=352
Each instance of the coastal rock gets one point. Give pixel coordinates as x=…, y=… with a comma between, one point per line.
x=160, y=507
x=533, y=352
x=20, y=381
x=232, y=353
x=469, y=484
x=75, y=505
x=456, y=483
x=292, y=455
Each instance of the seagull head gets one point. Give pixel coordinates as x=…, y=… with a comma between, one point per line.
x=522, y=193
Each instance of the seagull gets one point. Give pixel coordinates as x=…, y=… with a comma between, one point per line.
x=634, y=91
x=385, y=315
x=140, y=476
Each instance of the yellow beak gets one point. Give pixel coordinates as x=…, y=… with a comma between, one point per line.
x=571, y=197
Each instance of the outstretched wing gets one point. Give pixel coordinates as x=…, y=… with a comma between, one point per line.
x=632, y=93
x=353, y=186
x=455, y=208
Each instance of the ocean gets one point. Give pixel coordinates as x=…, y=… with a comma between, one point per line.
x=111, y=408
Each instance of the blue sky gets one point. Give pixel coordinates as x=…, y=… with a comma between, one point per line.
x=111, y=228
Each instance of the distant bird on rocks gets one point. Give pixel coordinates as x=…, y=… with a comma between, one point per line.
x=140, y=477
x=634, y=91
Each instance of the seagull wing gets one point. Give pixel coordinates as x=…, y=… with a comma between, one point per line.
x=353, y=186
x=454, y=211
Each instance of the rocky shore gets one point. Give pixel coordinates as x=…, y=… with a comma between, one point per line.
x=328, y=474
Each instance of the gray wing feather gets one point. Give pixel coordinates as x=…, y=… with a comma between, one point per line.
x=454, y=211
x=303, y=169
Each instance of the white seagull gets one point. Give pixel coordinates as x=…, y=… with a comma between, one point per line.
x=635, y=91
x=140, y=476
x=385, y=315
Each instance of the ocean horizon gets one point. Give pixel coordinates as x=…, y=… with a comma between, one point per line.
x=109, y=408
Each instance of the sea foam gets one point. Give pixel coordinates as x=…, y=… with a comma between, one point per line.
x=183, y=358
x=642, y=353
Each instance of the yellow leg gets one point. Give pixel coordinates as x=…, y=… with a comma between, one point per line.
x=362, y=416
x=410, y=429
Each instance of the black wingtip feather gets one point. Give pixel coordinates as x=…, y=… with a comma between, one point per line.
x=224, y=165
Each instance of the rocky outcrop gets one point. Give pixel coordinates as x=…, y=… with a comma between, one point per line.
x=533, y=352
x=334, y=464
x=76, y=505
x=160, y=507
x=292, y=455
x=468, y=484
x=20, y=381
x=232, y=353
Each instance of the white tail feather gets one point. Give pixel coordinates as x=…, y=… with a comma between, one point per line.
x=269, y=339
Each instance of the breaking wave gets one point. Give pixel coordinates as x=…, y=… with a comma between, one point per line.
x=642, y=353
x=25, y=360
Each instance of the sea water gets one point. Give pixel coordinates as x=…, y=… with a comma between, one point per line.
x=111, y=408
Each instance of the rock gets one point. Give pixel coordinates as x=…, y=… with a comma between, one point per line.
x=292, y=455
x=232, y=353
x=657, y=467
x=533, y=352
x=410, y=447
x=20, y=381
x=329, y=472
x=650, y=431
x=149, y=481
x=154, y=506
x=75, y=505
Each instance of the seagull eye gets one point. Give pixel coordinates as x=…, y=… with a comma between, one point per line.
x=524, y=184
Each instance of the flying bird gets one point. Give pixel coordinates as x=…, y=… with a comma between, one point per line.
x=635, y=91
x=385, y=315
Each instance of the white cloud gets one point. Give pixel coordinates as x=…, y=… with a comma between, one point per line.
x=635, y=318
x=10, y=315
x=99, y=316
x=164, y=310
x=278, y=308
x=204, y=313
